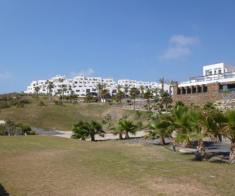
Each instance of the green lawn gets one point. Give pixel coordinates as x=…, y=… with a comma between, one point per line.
x=36, y=165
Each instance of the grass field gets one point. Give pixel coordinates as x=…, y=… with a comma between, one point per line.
x=58, y=117
x=36, y=165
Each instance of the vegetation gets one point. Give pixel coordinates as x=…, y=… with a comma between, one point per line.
x=162, y=128
x=54, y=114
x=10, y=128
x=134, y=93
x=83, y=130
x=125, y=126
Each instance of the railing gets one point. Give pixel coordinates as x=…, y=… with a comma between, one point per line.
x=227, y=90
x=210, y=78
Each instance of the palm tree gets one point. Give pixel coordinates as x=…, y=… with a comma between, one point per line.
x=165, y=99
x=100, y=87
x=126, y=127
x=134, y=92
x=50, y=87
x=119, y=96
x=64, y=89
x=104, y=94
x=83, y=130
x=162, y=82
x=186, y=123
x=229, y=132
x=142, y=90
x=37, y=89
x=126, y=90
x=161, y=128
x=148, y=95
x=213, y=121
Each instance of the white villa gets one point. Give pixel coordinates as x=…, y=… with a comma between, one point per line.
x=82, y=85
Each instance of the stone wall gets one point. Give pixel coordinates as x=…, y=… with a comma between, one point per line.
x=199, y=98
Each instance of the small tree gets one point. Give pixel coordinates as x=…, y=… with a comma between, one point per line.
x=100, y=88
x=64, y=89
x=126, y=127
x=50, y=87
x=37, y=89
x=142, y=90
x=83, y=130
x=126, y=90
x=161, y=128
x=229, y=132
x=134, y=92
x=26, y=129
x=148, y=95
x=119, y=96
x=104, y=94
x=165, y=99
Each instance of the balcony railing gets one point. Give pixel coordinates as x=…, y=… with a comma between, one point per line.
x=210, y=78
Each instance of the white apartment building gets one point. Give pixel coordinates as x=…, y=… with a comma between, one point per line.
x=82, y=85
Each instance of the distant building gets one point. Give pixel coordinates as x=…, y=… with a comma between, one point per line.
x=216, y=83
x=82, y=85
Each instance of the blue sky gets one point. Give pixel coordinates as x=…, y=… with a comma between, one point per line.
x=136, y=39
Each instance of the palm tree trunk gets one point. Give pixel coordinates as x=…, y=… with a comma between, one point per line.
x=220, y=138
x=134, y=103
x=232, y=153
x=163, y=141
x=120, y=136
x=92, y=137
x=127, y=135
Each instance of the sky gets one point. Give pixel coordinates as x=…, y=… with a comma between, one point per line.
x=123, y=39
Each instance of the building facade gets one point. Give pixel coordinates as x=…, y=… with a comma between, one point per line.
x=216, y=83
x=82, y=85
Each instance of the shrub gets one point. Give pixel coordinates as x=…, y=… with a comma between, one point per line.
x=4, y=104
x=26, y=129
x=58, y=102
x=41, y=103
x=2, y=130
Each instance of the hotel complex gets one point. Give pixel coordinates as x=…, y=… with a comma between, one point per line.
x=217, y=83
x=82, y=85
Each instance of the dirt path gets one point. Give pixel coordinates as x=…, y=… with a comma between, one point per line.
x=68, y=134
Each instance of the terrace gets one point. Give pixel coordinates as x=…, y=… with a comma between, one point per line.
x=223, y=77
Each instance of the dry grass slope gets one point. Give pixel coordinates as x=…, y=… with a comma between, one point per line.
x=54, y=116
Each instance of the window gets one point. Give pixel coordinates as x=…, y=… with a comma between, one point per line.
x=194, y=89
x=204, y=89
x=188, y=90
x=199, y=89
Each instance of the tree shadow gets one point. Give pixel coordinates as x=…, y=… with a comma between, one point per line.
x=3, y=191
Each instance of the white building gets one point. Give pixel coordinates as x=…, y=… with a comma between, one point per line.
x=82, y=85
x=219, y=72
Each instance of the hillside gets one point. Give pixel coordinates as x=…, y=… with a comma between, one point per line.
x=61, y=117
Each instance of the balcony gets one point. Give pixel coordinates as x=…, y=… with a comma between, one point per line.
x=210, y=78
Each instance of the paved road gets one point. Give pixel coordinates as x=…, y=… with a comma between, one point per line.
x=68, y=134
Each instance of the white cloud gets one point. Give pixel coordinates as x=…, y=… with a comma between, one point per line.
x=84, y=72
x=177, y=53
x=180, y=47
x=5, y=76
x=183, y=40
